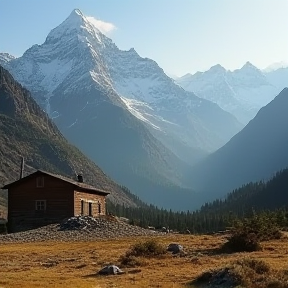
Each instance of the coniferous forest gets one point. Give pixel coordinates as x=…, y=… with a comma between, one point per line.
x=268, y=199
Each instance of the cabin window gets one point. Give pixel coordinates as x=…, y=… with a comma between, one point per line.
x=90, y=209
x=82, y=207
x=40, y=205
x=40, y=181
x=99, y=208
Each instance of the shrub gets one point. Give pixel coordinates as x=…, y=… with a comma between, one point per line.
x=241, y=242
x=131, y=261
x=150, y=248
x=259, y=266
x=147, y=249
x=247, y=234
x=249, y=273
x=258, y=274
x=263, y=225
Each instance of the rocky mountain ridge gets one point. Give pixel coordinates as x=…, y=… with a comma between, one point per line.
x=26, y=131
x=70, y=84
x=76, y=52
x=241, y=92
x=122, y=110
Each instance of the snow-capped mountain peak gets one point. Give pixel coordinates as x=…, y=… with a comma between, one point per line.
x=217, y=69
x=77, y=59
x=241, y=92
x=76, y=22
x=249, y=75
x=76, y=12
x=248, y=66
x=5, y=58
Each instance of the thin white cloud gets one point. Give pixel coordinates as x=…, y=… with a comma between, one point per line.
x=104, y=27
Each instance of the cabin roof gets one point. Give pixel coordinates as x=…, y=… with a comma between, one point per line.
x=76, y=184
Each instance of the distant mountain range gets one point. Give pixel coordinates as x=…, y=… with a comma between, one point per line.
x=143, y=129
x=76, y=56
x=122, y=110
x=255, y=153
x=26, y=131
x=241, y=92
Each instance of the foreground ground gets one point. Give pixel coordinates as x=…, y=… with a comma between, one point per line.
x=76, y=263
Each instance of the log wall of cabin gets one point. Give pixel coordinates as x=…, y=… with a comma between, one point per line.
x=87, y=198
x=22, y=211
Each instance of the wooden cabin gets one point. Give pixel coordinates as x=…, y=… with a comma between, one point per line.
x=43, y=198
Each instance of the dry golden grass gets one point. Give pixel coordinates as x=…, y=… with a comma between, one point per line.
x=75, y=264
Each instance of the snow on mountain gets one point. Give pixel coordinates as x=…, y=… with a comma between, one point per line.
x=76, y=52
x=275, y=66
x=47, y=66
x=5, y=58
x=165, y=107
x=69, y=78
x=241, y=92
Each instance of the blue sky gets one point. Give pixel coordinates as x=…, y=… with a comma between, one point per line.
x=180, y=35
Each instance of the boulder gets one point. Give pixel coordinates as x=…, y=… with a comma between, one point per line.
x=175, y=248
x=111, y=270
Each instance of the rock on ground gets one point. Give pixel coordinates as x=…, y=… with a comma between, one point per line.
x=80, y=228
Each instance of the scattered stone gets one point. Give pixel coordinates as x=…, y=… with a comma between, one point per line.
x=111, y=270
x=123, y=219
x=175, y=248
x=164, y=229
x=80, y=228
x=81, y=223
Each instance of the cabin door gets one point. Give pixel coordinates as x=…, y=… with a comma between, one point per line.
x=90, y=209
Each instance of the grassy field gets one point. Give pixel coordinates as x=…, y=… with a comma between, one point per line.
x=75, y=264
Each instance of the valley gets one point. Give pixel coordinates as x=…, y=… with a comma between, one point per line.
x=75, y=264
x=155, y=140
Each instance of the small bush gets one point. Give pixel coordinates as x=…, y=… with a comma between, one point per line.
x=241, y=242
x=150, y=248
x=264, y=226
x=147, y=249
x=248, y=273
x=259, y=266
x=258, y=274
x=131, y=261
x=247, y=234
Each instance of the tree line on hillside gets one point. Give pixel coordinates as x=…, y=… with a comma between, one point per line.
x=260, y=197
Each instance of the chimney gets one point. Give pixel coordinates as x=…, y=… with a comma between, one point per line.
x=80, y=178
x=22, y=167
